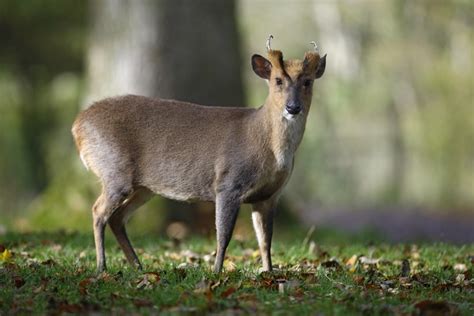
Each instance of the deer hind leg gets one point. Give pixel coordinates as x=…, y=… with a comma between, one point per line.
x=109, y=201
x=120, y=217
x=227, y=209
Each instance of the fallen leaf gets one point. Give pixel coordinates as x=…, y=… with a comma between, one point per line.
x=204, y=287
x=6, y=255
x=149, y=280
x=190, y=255
x=228, y=292
x=56, y=247
x=266, y=279
x=331, y=264
x=10, y=266
x=42, y=286
x=84, y=284
x=433, y=308
x=69, y=308
x=352, y=261
x=460, y=267
x=208, y=258
x=106, y=277
x=138, y=302
x=187, y=265
x=415, y=255
x=405, y=282
x=153, y=276
x=49, y=262
x=368, y=261
x=215, y=285
x=460, y=278
x=183, y=310
x=309, y=277
x=359, y=279
x=230, y=266
x=2, y=248
x=18, y=281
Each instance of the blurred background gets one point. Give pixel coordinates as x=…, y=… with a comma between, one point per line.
x=389, y=143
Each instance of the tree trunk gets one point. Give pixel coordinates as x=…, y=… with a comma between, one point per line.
x=187, y=50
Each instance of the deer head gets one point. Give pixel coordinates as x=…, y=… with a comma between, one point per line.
x=290, y=81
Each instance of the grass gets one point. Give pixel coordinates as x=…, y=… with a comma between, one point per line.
x=55, y=273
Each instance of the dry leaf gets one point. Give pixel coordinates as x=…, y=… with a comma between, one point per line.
x=331, y=264
x=69, y=308
x=368, y=261
x=84, y=284
x=230, y=266
x=460, y=278
x=428, y=307
x=142, y=303
x=228, y=292
x=106, y=277
x=187, y=265
x=460, y=267
x=149, y=280
x=204, y=287
x=352, y=261
x=56, y=247
x=18, y=281
x=49, y=262
x=6, y=255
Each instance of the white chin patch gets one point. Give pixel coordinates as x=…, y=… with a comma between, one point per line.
x=288, y=115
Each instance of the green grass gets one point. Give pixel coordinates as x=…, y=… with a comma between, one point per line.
x=55, y=273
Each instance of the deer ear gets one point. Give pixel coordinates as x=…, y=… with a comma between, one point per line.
x=321, y=67
x=261, y=66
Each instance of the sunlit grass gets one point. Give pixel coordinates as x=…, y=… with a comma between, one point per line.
x=51, y=272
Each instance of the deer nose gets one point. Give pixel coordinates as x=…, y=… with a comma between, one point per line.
x=293, y=107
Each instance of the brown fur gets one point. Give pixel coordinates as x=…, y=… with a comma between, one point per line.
x=139, y=146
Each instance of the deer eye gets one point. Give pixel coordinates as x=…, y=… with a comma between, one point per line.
x=278, y=81
x=307, y=83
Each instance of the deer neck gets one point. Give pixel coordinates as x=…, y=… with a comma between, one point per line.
x=285, y=133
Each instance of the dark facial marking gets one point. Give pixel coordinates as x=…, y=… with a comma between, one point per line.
x=293, y=104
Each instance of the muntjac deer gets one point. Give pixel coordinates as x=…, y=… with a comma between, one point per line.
x=139, y=147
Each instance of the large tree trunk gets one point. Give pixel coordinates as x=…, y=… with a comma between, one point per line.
x=187, y=50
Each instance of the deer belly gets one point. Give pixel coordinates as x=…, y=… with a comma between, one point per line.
x=178, y=181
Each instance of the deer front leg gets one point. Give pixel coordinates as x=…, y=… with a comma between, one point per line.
x=227, y=208
x=262, y=218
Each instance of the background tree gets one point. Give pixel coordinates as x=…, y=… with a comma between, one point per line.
x=186, y=50
x=391, y=128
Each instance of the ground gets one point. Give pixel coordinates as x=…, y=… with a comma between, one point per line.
x=54, y=273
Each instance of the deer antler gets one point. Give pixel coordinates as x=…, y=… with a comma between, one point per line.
x=316, y=48
x=270, y=37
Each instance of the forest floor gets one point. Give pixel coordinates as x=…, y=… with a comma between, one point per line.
x=53, y=273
